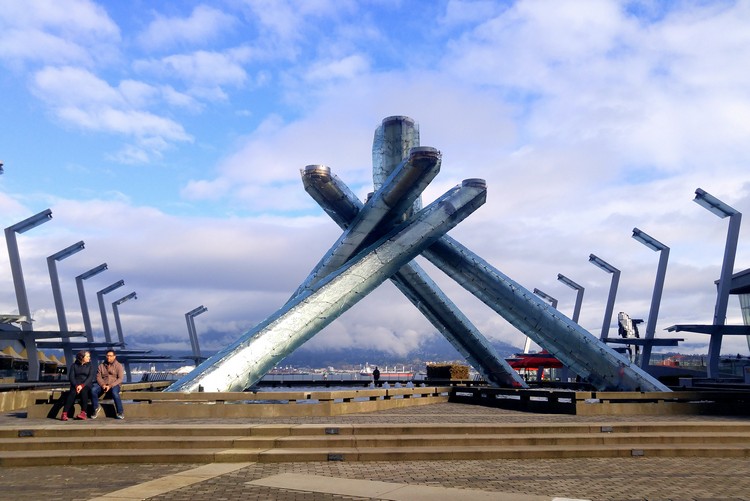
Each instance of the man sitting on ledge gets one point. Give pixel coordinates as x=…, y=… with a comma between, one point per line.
x=109, y=377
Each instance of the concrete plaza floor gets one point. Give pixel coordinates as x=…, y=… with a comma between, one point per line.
x=595, y=479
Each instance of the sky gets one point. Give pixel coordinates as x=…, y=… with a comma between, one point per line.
x=169, y=137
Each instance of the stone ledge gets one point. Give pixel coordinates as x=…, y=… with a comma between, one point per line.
x=161, y=405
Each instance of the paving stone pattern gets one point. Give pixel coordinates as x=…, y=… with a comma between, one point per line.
x=595, y=479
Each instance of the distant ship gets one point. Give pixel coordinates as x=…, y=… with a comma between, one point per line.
x=154, y=375
x=287, y=371
x=387, y=373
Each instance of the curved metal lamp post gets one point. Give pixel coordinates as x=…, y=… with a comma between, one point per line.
x=20, y=286
x=82, y=298
x=600, y=263
x=661, y=272
x=54, y=278
x=193, y=333
x=102, y=310
x=579, y=295
x=118, y=324
x=722, y=210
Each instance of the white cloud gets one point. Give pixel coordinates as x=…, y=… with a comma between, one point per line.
x=172, y=263
x=69, y=16
x=37, y=46
x=56, y=32
x=460, y=12
x=205, y=190
x=284, y=19
x=347, y=67
x=82, y=99
x=206, y=68
x=204, y=73
x=179, y=99
x=561, y=166
x=69, y=86
x=204, y=24
x=584, y=120
x=137, y=94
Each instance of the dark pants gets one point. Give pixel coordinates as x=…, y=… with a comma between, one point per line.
x=114, y=391
x=84, y=394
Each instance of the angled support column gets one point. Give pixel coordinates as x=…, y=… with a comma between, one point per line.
x=115, y=309
x=600, y=263
x=62, y=320
x=118, y=325
x=579, y=295
x=82, y=298
x=384, y=209
x=193, y=333
x=246, y=360
x=103, y=310
x=719, y=208
x=575, y=347
x=661, y=272
x=24, y=310
x=339, y=202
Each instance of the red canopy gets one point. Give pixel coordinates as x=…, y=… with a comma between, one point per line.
x=534, y=361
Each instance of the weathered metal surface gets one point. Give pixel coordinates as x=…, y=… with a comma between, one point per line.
x=381, y=212
x=246, y=360
x=342, y=205
x=577, y=348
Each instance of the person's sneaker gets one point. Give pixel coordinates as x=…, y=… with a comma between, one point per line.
x=82, y=416
x=64, y=416
x=96, y=412
x=120, y=416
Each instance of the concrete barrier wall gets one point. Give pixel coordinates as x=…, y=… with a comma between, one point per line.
x=607, y=403
x=149, y=404
x=14, y=400
x=161, y=405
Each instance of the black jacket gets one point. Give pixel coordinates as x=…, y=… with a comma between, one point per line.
x=81, y=374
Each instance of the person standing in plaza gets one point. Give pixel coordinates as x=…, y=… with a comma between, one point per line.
x=109, y=377
x=81, y=375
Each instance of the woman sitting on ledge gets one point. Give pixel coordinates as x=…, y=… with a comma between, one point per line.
x=81, y=375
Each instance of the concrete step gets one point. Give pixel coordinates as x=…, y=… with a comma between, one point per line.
x=123, y=456
x=361, y=441
x=112, y=429
x=501, y=452
x=364, y=441
x=94, y=443
x=116, y=442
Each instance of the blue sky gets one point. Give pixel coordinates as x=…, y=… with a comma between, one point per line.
x=169, y=137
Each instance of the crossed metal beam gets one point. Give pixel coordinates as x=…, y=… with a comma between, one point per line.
x=380, y=239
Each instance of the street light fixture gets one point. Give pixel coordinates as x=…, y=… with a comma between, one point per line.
x=722, y=210
x=82, y=298
x=15, y=261
x=546, y=297
x=55, y=280
x=24, y=311
x=103, y=311
x=190, y=319
x=118, y=324
x=62, y=321
x=661, y=272
x=600, y=263
x=579, y=295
